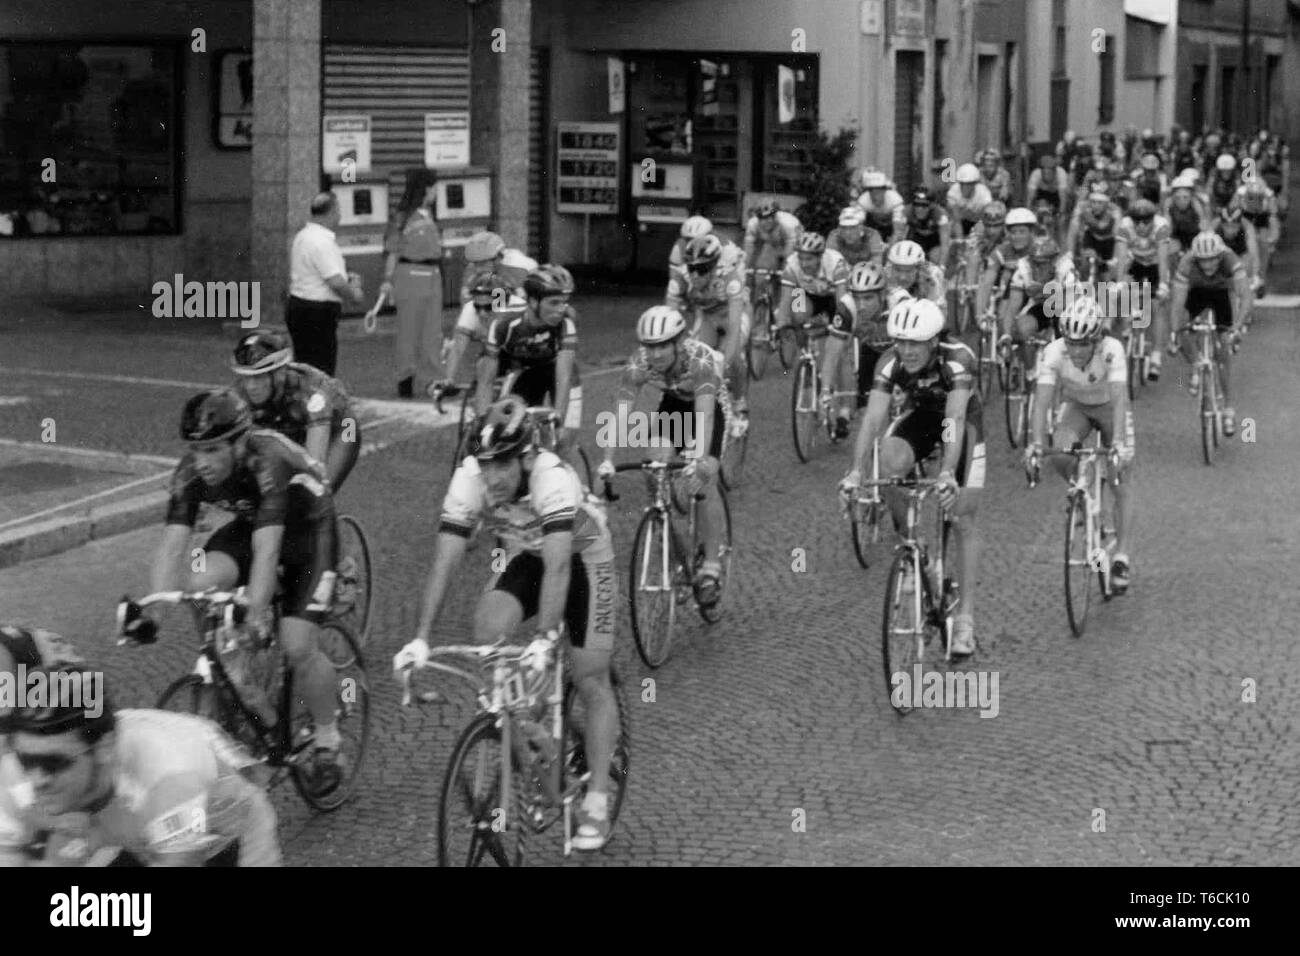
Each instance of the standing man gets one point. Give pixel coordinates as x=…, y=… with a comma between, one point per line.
x=413, y=275
x=318, y=284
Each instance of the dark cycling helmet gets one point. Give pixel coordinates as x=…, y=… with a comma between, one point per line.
x=812, y=242
x=260, y=352
x=547, y=281
x=704, y=251
x=36, y=647
x=1044, y=248
x=505, y=430
x=56, y=716
x=1143, y=210
x=994, y=214
x=215, y=415
x=922, y=194
x=766, y=208
x=485, y=283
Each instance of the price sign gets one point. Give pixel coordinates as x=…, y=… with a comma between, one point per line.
x=587, y=164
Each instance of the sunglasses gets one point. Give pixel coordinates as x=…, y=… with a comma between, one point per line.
x=700, y=268
x=51, y=764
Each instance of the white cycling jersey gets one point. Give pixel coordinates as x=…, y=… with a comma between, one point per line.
x=1089, y=385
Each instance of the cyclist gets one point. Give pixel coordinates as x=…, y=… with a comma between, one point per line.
x=539, y=344
x=1001, y=262
x=690, y=377
x=1239, y=237
x=770, y=237
x=1046, y=273
x=879, y=201
x=485, y=252
x=941, y=407
x=1185, y=212
x=854, y=239
x=298, y=401
x=489, y=295
x=924, y=222
x=1223, y=182
x=1210, y=276
x=1142, y=254
x=1093, y=228
x=858, y=322
x=966, y=199
x=284, y=518
x=1148, y=181
x=692, y=228
x=907, y=270
x=88, y=785
x=1048, y=184
x=994, y=176
x=989, y=233
x=32, y=648
x=559, y=570
x=716, y=294
x=1091, y=370
x=1109, y=148
x=1258, y=207
x=1183, y=153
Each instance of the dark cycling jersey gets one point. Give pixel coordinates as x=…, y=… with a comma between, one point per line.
x=307, y=397
x=925, y=232
x=1221, y=279
x=1222, y=189
x=949, y=369
x=520, y=342
x=1148, y=186
x=1237, y=243
x=1184, y=223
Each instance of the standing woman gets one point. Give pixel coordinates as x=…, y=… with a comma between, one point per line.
x=413, y=279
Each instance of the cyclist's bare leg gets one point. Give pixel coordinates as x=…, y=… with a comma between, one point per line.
x=591, y=677
x=498, y=614
x=710, y=511
x=313, y=675
x=896, y=460
x=967, y=539
x=1026, y=327
x=1223, y=353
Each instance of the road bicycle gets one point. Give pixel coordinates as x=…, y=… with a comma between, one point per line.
x=762, y=336
x=664, y=562
x=989, y=365
x=492, y=806
x=1137, y=344
x=1089, y=537
x=353, y=594
x=238, y=680
x=811, y=411
x=1020, y=387
x=1208, y=394
x=864, y=513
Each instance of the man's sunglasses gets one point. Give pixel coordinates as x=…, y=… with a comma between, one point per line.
x=700, y=268
x=50, y=764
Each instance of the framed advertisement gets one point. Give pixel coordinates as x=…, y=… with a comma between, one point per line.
x=232, y=99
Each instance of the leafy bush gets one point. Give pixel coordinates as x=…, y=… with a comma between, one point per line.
x=831, y=176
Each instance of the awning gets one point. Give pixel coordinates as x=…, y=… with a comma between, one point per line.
x=1154, y=11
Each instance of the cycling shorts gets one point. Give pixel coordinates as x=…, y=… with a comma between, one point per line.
x=1217, y=300
x=308, y=557
x=922, y=429
x=590, y=609
x=1104, y=247
x=1040, y=315
x=1150, y=273
x=868, y=356
x=671, y=404
x=1077, y=422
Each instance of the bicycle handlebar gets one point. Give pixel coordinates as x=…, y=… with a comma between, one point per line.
x=643, y=465
x=500, y=650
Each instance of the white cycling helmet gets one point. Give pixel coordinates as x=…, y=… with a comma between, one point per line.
x=1020, y=216
x=658, y=324
x=1192, y=173
x=895, y=296
x=906, y=253
x=696, y=226
x=1081, y=319
x=852, y=216
x=968, y=173
x=483, y=247
x=1182, y=182
x=866, y=277
x=1226, y=163
x=514, y=259
x=874, y=179
x=915, y=320
x=1207, y=245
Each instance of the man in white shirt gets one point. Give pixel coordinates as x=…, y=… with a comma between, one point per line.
x=318, y=283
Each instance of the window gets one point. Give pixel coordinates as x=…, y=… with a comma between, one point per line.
x=1058, y=48
x=940, y=65
x=1106, y=100
x=1228, y=97
x=1200, y=74
x=1142, y=40
x=89, y=139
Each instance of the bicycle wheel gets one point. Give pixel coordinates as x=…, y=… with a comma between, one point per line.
x=787, y=347
x=575, y=750
x=582, y=465
x=191, y=695
x=353, y=587
x=985, y=360
x=902, y=631
x=1013, y=398
x=472, y=827
x=760, y=340
x=713, y=613
x=804, y=409
x=1078, y=568
x=731, y=467
x=1134, y=370
x=351, y=716
x=1208, y=414
x=654, y=582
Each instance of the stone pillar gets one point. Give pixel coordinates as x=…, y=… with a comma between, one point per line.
x=286, y=138
x=500, y=52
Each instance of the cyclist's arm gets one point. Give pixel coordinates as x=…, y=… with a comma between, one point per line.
x=266, y=558
x=317, y=442
x=1252, y=246
x=564, y=363
x=1121, y=256
x=945, y=238
x=784, y=310
x=485, y=374
x=900, y=224
x=1240, y=285
x=448, y=555
x=1119, y=411
x=985, y=290
x=735, y=323
x=955, y=424
x=1162, y=260
x=168, y=562
x=874, y=423
x=1178, y=304
x=557, y=563
x=706, y=405
x=1072, y=231
x=1015, y=302
x=750, y=241
x=629, y=389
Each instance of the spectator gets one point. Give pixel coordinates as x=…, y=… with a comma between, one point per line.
x=318, y=283
x=413, y=275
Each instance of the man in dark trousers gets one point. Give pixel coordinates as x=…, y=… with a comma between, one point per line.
x=318, y=283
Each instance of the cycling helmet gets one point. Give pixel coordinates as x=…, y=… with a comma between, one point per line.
x=1098, y=194
x=514, y=259
x=1143, y=210
x=485, y=283
x=34, y=647
x=563, y=274
x=215, y=415
x=922, y=194
x=851, y=216
x=1107, y=136
x=1020, y=216
x=1182, y=181
x=915, y=320
x=1151, y=162
x=1044, y=248
x=1257, y=189
x=260, y=352
x=483, y=246
x=906, y=253
x=968, y=173
x=546, y=281
x=1081, y=319
x=1192, y=173
x=659, y=324
x=895, y=296
x=704, y=251
x=994, y=214
x=812, y=242
x=505, y=430
x=696, y=226
x=874, y=179
x=1226, y=163
x=866, y=277
x=763, y=210
x=75, y=700
x=1207, y=245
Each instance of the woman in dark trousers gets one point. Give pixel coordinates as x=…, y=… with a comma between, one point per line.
x=413, y=279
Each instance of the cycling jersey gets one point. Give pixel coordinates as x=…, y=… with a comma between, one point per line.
x=926, y=231
x=715, y=291
x=1052, y=189
x=1257, y=209
x=1222, y=188
x=1096, y=227
x=1144, y=250
x=882, y=217
x=999, y=186
x=1150, y=185
x=831, y=277
x=763, y=251
x=520, y=342
x=1005, y=258
x=868, y=248
x=1036, y=292
x=847, y=321
x=306, y=397
x=1089, y=385
x=472, y=324
x=929, y=284
x=1237, y=244
x=699, y=370
x=967, y=211
x=178, y=782
x=1184, y=223
x=1230, y=268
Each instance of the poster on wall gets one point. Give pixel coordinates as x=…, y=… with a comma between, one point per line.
x=345, y=138
x=234, y=107
x=446, y=139
x=617, y=84
x=587, y=168
x=909, y=18
x=708, y=88
x=785, y=103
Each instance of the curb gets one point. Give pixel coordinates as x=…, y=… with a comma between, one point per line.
x=45, y=538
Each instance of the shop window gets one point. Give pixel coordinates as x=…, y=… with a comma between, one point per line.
x=88, y=139
x=938, y=126
x=790, y=118
x=1106, y=99
x=1228, y=97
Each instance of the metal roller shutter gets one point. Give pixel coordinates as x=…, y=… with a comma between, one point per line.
x=538, y=93
x=396, y=86
x=908, y=79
